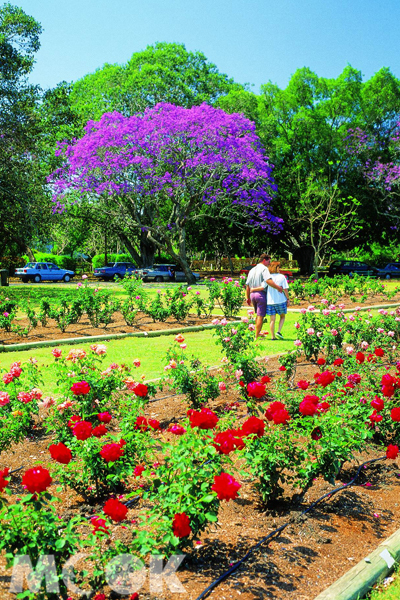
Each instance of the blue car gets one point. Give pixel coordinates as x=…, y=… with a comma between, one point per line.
x=112, y=270
x=391, y=270
x=42, y=271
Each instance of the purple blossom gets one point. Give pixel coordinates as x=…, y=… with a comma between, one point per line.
x=195, y=156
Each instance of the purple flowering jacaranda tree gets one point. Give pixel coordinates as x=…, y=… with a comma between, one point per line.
x=161, y=168
x=379, y=159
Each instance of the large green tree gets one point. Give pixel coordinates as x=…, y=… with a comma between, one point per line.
x=161, y=73
x=305, y=130
x=21, y=191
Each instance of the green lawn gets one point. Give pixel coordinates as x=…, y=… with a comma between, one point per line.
x=391, y=593
x=151, y=351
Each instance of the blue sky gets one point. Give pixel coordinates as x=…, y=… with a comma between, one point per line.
x=253, y=41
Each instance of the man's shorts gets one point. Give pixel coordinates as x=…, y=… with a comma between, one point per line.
x=277, y=309
x=259, y=301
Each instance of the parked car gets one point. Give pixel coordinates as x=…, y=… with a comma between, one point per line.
x=285, y=272
x=37, y=272
x=391, y=270
x=349, y=267
x=111, y=270
x=164, y=273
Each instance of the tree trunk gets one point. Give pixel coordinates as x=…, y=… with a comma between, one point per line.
x=30, y=254
x=228, y=255
x=131, y=249
x=147, y=250
x=305, y=259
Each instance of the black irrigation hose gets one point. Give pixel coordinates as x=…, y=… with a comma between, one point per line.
x=15, y=470
x=274, y=533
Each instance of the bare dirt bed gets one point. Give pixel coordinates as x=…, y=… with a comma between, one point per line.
x=84, y=328
x=307, y=557
x=144, y=323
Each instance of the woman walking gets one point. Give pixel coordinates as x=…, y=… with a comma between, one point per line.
x=277, y=302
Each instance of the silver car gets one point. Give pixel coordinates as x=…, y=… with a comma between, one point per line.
x=164, y=273
x=41, y=271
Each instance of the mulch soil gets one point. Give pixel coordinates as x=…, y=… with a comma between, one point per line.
x=143, y=323
x=309, y=555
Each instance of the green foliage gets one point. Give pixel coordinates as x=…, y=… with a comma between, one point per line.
x=161, y=73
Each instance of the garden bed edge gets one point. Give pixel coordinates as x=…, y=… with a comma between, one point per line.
x=358, y=581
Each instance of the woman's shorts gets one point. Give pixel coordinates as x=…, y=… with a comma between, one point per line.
x=277, y=309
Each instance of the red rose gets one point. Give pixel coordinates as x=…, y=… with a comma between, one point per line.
x=337, y=362
x=100, y=597
x=360, y=357
x=80, y=388
x=272, y=408
x=140, y=390
x=375, y=418
x=3, y=481
x=181, y=525
x=395, y=414
x=134, y=596
x=176, y=429
x=325, y=378
x=392, y=451
x=321, y=361
x=379, y=352
x=225, y=486
x=265, y=379
x=227, y=441
x=311, y=398
x=141, y=424
x=307, y=408
x=138, y=470
x=377, y=403
x=98, y=524
x=154, y=424
x=82, y=430
x=73, y=420
x=302, y=384
x=387, y=391
x=60, y=453
x=316, y=434
x=115, y=509
x=100, y=430
x=282, y=368
x=111, y=452
x=203, y=419
x=253, y=425
x=354, y=378
x=104, y=417
x=256, y=390
x=281, y=417
x=36, y=480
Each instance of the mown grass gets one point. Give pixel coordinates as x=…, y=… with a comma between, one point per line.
x=392, y=592
x=151, y=351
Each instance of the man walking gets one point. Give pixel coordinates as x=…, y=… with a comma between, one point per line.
x=255, y=279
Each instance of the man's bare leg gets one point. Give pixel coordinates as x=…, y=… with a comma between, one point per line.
x=272, y=326
x=259, y=324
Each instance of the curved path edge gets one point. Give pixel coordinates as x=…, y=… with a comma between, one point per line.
x=357, y=582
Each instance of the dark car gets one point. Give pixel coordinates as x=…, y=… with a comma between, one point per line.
x=349, y=267
x=286, y=273
x=391, y=270
x=111, y=270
